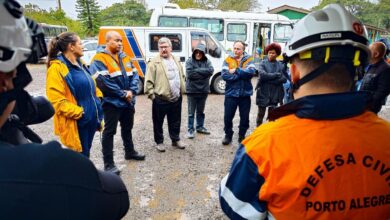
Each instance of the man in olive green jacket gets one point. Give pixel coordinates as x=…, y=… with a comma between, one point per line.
x=164, y=85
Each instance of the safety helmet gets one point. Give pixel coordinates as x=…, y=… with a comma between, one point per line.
x=330, y=26
x=16, y=42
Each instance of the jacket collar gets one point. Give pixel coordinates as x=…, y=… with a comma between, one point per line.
x=324, y=107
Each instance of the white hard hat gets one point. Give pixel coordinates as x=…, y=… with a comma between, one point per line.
x=330, y=26
x=16, y=42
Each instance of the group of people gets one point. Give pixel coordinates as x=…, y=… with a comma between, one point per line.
x=304, y=164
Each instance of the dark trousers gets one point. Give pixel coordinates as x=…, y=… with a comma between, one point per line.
x=244, y=106
x=160, y=109
x=86, y=134
x=112, y=115
x=196, y=103
x=261, y=113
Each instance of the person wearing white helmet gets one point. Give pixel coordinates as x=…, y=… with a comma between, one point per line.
x=323, y=155
x=44, y=181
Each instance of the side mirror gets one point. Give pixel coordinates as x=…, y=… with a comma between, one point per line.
x=218, y=52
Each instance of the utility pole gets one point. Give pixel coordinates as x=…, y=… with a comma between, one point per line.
x=59, y=5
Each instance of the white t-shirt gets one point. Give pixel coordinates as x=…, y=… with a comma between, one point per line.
x=173, y=78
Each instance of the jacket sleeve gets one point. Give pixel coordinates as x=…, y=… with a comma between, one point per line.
x=382, y=90
x=104, y=81
x=226, y=75
x=264, y=75
x=248, y=72
x=239, y=190
x=134, y=81
x=195, y=73
x=55, y=91
x=150, y=79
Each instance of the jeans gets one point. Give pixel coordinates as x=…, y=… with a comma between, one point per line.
x=112, y=115
x=160, y=109
x=196, y=103
x=244, y=106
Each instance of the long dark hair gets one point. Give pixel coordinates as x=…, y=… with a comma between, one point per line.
x=60, y=44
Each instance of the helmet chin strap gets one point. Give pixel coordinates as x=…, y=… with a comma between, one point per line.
x=313, y=74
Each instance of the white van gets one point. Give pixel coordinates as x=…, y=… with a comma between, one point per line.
x=140, y=43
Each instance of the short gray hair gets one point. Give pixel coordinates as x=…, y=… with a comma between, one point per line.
x=164, y=40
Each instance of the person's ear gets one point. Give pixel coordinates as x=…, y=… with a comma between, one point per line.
x=295, y=73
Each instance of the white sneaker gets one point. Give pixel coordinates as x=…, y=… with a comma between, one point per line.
x=160, y=147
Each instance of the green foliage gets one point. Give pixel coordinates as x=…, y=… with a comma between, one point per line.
x=376, y=14
x=88, y=13
x=129, y=13
x=225, y=5
x=53, y=17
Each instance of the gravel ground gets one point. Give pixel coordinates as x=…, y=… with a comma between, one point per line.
x=177, y=184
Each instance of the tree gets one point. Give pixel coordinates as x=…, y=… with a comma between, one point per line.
x=53, y=17
x=129, y=13
x=243, y=5
x=369, y=13
x=88, y=13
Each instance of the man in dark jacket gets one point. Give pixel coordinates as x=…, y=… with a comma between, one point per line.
x=118, y=81
x=377, y=78
x=44, y=181
x=199, y=70
x=269, y=86
x=237, y=71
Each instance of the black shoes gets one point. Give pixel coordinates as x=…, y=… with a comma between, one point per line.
x=134, y=156
x=112, y=168
x=226, y=140
x=202, y=130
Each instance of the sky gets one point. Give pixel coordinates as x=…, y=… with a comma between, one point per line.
x=70, y=10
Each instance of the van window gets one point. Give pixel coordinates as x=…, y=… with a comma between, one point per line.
x=170, y=21
x=176, y=40
x=211, y=45
x=215, y=26
x=236, y=32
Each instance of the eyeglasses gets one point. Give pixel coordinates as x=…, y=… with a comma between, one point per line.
x=163, y=47
x=197, y=51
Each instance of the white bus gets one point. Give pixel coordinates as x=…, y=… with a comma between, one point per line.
x=257, y=30
x=51, y=30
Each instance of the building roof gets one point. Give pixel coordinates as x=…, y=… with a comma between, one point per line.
x=287, y=7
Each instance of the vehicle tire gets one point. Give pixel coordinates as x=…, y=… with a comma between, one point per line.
x=140, y=86
x=219, y=85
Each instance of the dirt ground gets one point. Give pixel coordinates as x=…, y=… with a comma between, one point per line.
x=177, y=184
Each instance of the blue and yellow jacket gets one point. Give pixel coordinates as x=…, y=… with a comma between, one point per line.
x=327, y=158
x=112, y=81
x=238, y=84
x=60, y=92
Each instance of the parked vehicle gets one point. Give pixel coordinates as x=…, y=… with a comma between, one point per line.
x=90, y=47
x=140, y=43
x=257, y=30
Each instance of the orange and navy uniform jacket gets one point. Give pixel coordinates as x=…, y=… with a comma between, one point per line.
x=61, y=94
x=112, y=80
x=238, y=84
x=325, y=157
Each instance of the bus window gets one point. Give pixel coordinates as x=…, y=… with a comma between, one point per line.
x=215, y=26
x=236, y=32
x=197, y=38
x=176, y=41
x=282, y=33
x=165, y=21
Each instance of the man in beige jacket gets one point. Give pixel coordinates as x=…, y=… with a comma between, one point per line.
x=164, y=85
